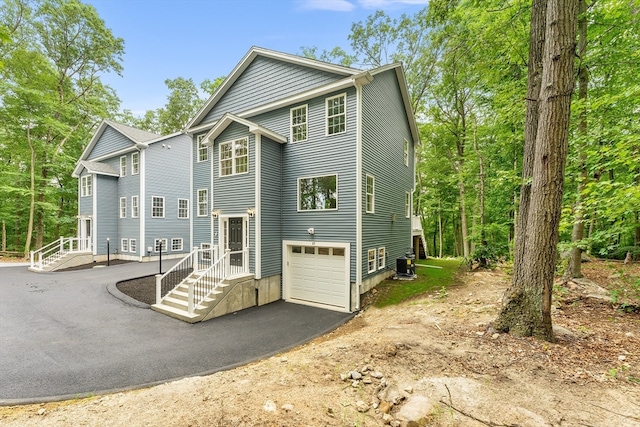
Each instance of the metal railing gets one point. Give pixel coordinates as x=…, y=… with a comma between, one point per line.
x=57, y=249
x=197, y=260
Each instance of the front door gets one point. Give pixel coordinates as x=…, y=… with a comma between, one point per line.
x=235, y=241
x=85, y=234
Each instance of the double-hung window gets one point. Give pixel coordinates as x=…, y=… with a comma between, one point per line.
x=135, y=163
x=371, y=260
x=203, y=149
x=134, y=207
x=318, y=193
x=123, y=207
x=124, y=245
x=382, y=255
x=123, y=166
x=234, y=157
x=157, y=207
x=85, y=185
x=299, y=123
x=407, y=204
x=406, y=152
x=176, y=244
x=336, y=114
x=183, y=208
x=370, y=205
x=160, y=245
x=132, y=245
x=203, y=202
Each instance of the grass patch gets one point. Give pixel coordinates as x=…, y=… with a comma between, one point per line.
x=391, y=292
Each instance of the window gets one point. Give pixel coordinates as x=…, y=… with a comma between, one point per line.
x=176, y=244
x=157, y=207
x=203, y=202
x=406, y=152
x=234, y=157
x=370, y=194
x=132, y=245
x=299, y=123
x=203, y=150
x=124, y=245
x=160, y=244
x=317, y=193
x=134, y=207
x=123, y=207
x=407, y=204
x=381, y=258
x=336, y=116
x=86, y=185
x=135, y=163
x=183, y=208
x=371, y=260
x=123, y=166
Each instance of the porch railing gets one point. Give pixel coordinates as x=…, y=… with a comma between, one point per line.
x=57, y=249
x=197, y=260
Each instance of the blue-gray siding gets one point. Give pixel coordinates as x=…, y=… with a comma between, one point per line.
x=85, y=204
x=201, y=180
x=267, y=80
x=128, y=186
x=110, y=141
x=385, y=127
x=107, y=215
x=271, y=207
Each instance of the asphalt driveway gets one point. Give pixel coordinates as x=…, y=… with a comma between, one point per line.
x=64, y=335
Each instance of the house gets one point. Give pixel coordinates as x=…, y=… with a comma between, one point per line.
x=300, y=184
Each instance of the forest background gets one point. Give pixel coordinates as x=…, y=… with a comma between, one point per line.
x=466, y=67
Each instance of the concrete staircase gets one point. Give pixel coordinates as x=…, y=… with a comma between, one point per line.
x=62, y=260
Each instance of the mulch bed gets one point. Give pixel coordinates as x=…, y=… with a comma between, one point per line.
x=94, y=264
x=142, y=289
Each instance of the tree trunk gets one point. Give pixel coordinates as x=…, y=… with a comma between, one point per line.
x=440, y=238
x=32, y=195
x=4, y=236
x=577, y=234
x=464, y=228
x=483, y=238
x=527, y=308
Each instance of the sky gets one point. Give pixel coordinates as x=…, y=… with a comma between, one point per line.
x=205, y=39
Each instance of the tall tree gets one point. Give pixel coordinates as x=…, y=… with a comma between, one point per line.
x=527, y=308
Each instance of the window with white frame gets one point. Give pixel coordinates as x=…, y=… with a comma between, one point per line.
x=406, y=152
x=183, y=208
x=370, y=205
x=234, y=157
x=86, y=184
x=382, y=257
x=371, y=260
x=336, y=114
x=135, y=207
x=123, y=166
x=157, y=207
x=407, y=204
x=132, y=245
x=203, y=202
x=135, y=163
x=318, y=193
x=203, y=149
x=124, y=245
x=299, y=123
x=176, y=244
x=160, y=244
x=123, y=207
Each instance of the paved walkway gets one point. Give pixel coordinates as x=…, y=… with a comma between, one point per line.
x=64, y=335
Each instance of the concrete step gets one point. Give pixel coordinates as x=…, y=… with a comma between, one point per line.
x=184, y=295
x=176, y=313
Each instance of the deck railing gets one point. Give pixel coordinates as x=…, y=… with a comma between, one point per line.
x=57, y=249
x=197, y=260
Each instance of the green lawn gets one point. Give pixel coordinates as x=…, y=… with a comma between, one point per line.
x=392, y=292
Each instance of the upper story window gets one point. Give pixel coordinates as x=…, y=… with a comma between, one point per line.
x=183, y=208
x=406, y=152
x=318, y=193
x=135, y=163
x=336, y=114
x=203, y=202
x=203, y=150
x=234, y=157
x=86, y=185
x=407, y=204
x=299, y=123
x=123, y=207
x=123, y=166
x=370, y=205
x=134, y=207
x=157, y=207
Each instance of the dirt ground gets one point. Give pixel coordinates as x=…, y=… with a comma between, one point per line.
x=430, y=361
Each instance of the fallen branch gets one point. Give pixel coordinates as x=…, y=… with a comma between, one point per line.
x=631, y=417
x=487, y=423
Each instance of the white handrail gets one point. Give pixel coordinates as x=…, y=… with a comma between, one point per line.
x=56, y=249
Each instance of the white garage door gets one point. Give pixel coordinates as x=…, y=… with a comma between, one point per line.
x=318, y=275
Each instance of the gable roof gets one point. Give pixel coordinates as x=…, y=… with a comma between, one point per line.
x=254, y=128
x=97, y=168
x=135, y=134
x=244, y=63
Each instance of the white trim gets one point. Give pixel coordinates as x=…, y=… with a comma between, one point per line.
x=84, y=179
x=164, y=206
x=233, y=157
x=201, y=140
x=405, y=152
x=174, y=239
x=133, y=171
x=121, y=206
x=326, y=114
x=382, y=258
x=133, y=246
x=257, y=219
x=94, y=222
x=306, y=123
x=286, y=273
x=206, y=210
x=407, y=204
x=123, y=168
x=143, y=204
x=373, y=193
x=374, y=260
x=124, y=245
x=315, y=210
x=188, y=207
x=191, y=159
x=161, y=240
x=135, y=213
x=359, y=245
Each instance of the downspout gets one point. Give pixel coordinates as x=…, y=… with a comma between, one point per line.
x=258, y=204
x=142, y=211
x=94, y=219
x=191, y=205
x=358, y=194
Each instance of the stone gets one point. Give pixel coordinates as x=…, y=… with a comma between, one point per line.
x=355, y=383
x=408, y=389
x=622, y=358
x=391, y=394
x=344, y=376
x=367, y=380
x=415, y=408
x=376, y=374
x=287, y=407
x=269, y=406
x=361, y=406
x=385, y=407
x=495, y=336
x=41, y=411
x=355, y=375
x=386, y=418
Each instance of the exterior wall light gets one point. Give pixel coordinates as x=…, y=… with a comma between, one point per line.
x=251, y=212
x=215, y=213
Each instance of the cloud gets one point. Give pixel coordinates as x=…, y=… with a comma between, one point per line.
x=381, y=4
x=334, y=5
